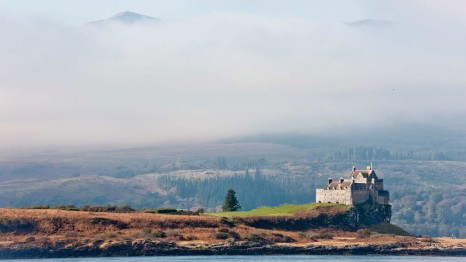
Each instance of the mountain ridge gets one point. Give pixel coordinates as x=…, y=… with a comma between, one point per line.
x=126, y=17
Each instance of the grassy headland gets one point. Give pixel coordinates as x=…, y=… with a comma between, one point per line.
x=63, y=233
x=283, y=210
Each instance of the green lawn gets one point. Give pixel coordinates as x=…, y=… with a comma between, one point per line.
x=284, y=210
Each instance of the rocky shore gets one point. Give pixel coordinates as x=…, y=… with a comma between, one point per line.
x=162, y=248
x=28, y=233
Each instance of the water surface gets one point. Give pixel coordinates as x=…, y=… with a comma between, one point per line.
x=278, y=258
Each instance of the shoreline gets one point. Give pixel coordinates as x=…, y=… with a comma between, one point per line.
x=27, y=233
x=161, y=248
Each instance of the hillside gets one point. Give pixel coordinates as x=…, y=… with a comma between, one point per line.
x=423, y=168
x=56, y=233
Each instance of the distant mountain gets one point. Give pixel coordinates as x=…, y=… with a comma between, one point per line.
x=126, y=17
x=371, y=24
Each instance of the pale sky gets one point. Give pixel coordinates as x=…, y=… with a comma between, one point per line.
x=76, y=12
x=215, y=69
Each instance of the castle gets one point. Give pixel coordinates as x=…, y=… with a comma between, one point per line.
x=363, y=186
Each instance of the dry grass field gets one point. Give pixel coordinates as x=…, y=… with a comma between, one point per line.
x=31, y=226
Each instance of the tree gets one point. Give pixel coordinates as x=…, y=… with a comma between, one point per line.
x=230, y=203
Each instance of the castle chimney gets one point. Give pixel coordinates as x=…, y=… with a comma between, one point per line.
x=330, y=181
x=354, y=168
x=341, y=180
x=369, y=168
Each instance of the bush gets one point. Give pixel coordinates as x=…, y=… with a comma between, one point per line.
x=176, y=235
x=173, y=211
x=147, y=231
x=159, y=234
x=191, y=237
x=258, y=238
x=37, y=207
x=275, y=237
x=221, y=235
x=325, y=235
x=109, y=208
x=223, y=230
x=363, y=233
x=165, y=210
x=224, y=221
x=29, y=239
x=235, y=235
x=108, y=222
x=320, y=235
x=225, y=233
x=17, y=225
x=67, y=208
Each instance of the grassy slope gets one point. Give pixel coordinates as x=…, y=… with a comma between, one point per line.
x=386, y=228
x=284, y=210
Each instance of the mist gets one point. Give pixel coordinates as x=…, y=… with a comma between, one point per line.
x=224, y=74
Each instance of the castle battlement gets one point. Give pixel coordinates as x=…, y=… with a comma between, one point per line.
x=362, y=186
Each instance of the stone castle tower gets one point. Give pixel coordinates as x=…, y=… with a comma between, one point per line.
x=363, y=186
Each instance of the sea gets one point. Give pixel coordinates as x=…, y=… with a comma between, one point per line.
x=278, y=258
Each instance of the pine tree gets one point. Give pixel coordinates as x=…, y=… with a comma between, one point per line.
x=230, y=203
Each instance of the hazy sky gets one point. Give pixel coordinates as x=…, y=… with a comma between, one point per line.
x=214, y=69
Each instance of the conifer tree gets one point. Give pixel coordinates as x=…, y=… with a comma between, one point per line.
x=230, y=203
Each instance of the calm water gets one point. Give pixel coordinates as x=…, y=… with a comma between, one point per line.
x=257, y=258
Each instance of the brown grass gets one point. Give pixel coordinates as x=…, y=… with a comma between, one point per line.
x=45, y=226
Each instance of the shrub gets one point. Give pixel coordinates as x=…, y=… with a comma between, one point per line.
x=159, y=234
x=29, y=239
x=191, y=237
x=275, y=237
x=428, y=239
x=174, y=223
x=258, y=238
x=302, y=235
x=109, y=208
x=17, y=225
x=224, y=221
x=165, y=210
x=225, y=233
x=221, y=235
x=224, y=230
x=176, y=235
x=108, y=222
x=234, y=235
x=67, y=208
x=147, y=231
x=363, y=233
x=325, y=235
x=37, y=207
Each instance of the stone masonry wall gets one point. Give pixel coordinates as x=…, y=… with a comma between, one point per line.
x=360, y=196
x=334, y=196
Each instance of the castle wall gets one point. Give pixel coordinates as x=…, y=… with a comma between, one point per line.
x=379, y=184
x=334, y=196
x=383, y=197
x=360, y=196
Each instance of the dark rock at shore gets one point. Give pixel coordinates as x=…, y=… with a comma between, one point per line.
x=161, y=248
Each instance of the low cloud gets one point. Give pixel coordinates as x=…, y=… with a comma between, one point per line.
x=224, y=74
